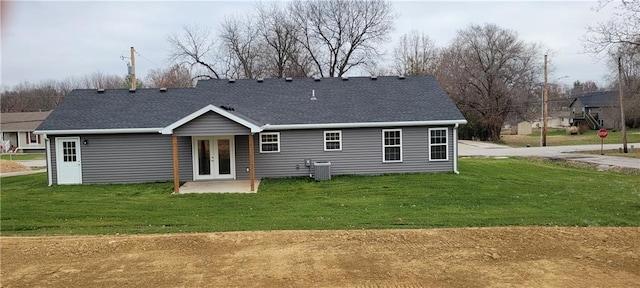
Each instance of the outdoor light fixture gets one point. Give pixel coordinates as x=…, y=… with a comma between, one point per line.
x=85, y=142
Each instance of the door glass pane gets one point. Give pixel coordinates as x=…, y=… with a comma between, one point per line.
x=224, y=157
x=69, y=151
x=204, y=154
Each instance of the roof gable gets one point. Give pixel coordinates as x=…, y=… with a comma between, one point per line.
x=210, y=108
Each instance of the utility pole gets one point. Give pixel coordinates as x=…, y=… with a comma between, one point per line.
x=545, y=100
x=132, y=70
x=624, y=129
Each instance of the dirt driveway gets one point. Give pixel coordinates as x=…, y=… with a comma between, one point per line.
x=473, y=257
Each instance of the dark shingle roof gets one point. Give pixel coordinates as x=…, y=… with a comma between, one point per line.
x=599, y=99
x=272, y=101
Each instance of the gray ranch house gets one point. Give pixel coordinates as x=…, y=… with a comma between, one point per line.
x=248, y=129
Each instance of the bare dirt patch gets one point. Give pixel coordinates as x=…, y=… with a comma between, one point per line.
x=469, y=257
x=7, y=166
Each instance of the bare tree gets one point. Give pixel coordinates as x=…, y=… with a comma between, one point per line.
x=580, y=88
x=97, y=80
x=240, y=40
x=29, y=97
x=172, y=77
x=339, y=35
x=630, y=72
x=619, y=38
x=490, y=74
x=623, y=29
x=415, y=54
x=282, y=55
x=47, y=94
x=196, y=48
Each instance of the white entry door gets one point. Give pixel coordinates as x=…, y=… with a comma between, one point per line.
x=68, y=164
x=213, y=158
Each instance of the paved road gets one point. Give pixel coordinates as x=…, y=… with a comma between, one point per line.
x=474, y=148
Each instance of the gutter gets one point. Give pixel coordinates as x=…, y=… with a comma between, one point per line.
x=98, y=131
x=455, y=149
x=268, y=127
x=47, y=143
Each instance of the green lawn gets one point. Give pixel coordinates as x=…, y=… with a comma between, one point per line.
x=25, y=156
x=488, y=192
x=559, y=138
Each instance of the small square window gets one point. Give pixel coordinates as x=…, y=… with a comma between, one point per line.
x=270, y=142
x=332, y=140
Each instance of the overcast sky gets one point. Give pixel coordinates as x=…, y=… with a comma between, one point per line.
x=55, y=40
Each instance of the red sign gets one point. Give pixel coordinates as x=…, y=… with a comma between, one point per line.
x=602, y=133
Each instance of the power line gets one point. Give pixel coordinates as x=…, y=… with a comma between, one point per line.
x=143, y=57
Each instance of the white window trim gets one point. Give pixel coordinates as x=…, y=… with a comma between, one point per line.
x=29, y=134
x=446, y=144
x=339, y=140
x=384, y=146
x=277, y=142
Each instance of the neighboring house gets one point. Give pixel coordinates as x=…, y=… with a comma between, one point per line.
x=556, y=120
x=596, y=109
x=247, y=129
x=16, y=131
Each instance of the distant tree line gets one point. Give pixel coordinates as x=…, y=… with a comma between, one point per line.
x=490, y=73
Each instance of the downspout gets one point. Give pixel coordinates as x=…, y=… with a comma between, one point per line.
x=47, y=142
x=455, y=149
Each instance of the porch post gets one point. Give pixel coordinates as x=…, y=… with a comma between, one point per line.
x=176, y=170
x=252, y=165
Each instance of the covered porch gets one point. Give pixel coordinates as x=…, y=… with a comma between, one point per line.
x=216, y=135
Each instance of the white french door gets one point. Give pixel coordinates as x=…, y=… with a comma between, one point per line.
x=213, y=158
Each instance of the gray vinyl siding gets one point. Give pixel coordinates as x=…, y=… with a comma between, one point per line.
x=211, y=124
x=361, y=153
x=130, y=158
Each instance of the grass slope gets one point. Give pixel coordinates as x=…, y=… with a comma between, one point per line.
x=25, y=156
x=488, y=192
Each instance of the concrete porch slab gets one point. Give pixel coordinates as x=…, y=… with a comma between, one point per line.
x=219, y=186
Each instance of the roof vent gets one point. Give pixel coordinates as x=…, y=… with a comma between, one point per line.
x=401, y=77
x=163, y=89
x=101, y=91
x=374, y=77
x=231, y=80
x=345, y=78
x=260, y=80
x=132, y=90
x=288, y=79
x=316, y=78
x=228, y=108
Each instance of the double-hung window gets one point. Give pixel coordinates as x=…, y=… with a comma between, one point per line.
x=392, y=145
x=332, y=140
x=270, y=142
x=33, y=138
x=438, y=144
